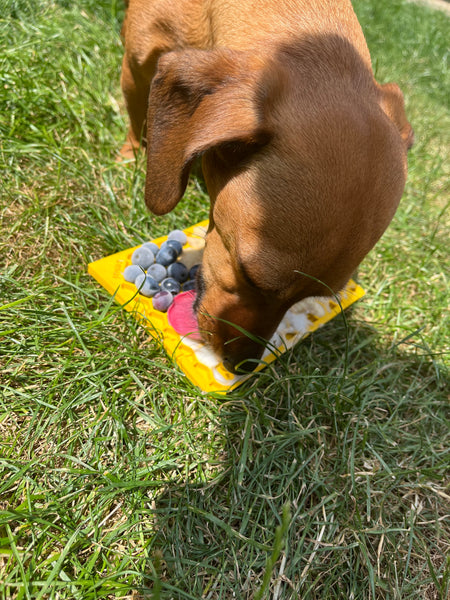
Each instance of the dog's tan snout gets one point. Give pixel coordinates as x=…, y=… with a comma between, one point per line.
x=234, y=331
x=235, y=315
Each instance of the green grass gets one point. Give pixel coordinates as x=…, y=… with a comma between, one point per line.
x=324, y=477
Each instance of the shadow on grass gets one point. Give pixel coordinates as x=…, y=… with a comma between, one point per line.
x=360, y=459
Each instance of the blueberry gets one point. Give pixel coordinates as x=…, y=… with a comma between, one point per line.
x=147, y=286
x=173, y=244
x=131, y=272
x=139, y=279
x=142, y=257
x=152, y=247
x=171, y=285
x=178, y=235
x=166, y=256
x=193, y=270
x=178, y=271
x=157, y=271
x=162, y=300
x=189, y=285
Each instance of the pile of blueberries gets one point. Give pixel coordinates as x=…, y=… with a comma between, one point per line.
x=158, y=274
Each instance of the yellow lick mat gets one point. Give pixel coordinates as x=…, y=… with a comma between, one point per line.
x=197, y=361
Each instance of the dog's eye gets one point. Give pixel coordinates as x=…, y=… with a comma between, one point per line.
x=245, y=274
x=234, y=153
x=259, y=275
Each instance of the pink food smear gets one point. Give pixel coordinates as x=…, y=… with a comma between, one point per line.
x=181, y=315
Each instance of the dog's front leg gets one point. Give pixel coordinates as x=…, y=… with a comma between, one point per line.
x=135, y=88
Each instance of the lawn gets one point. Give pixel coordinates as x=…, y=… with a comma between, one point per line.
x=326, y=476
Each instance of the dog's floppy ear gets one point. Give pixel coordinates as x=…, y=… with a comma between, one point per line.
x=198, y=100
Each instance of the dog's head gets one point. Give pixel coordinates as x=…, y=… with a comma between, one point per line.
x=303, y=179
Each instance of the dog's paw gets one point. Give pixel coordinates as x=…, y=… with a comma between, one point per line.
x=128, y=153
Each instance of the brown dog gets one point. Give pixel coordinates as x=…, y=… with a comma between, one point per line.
x=303, y=152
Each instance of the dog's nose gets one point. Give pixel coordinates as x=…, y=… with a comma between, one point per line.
x=238, y=367
x=228, y=364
